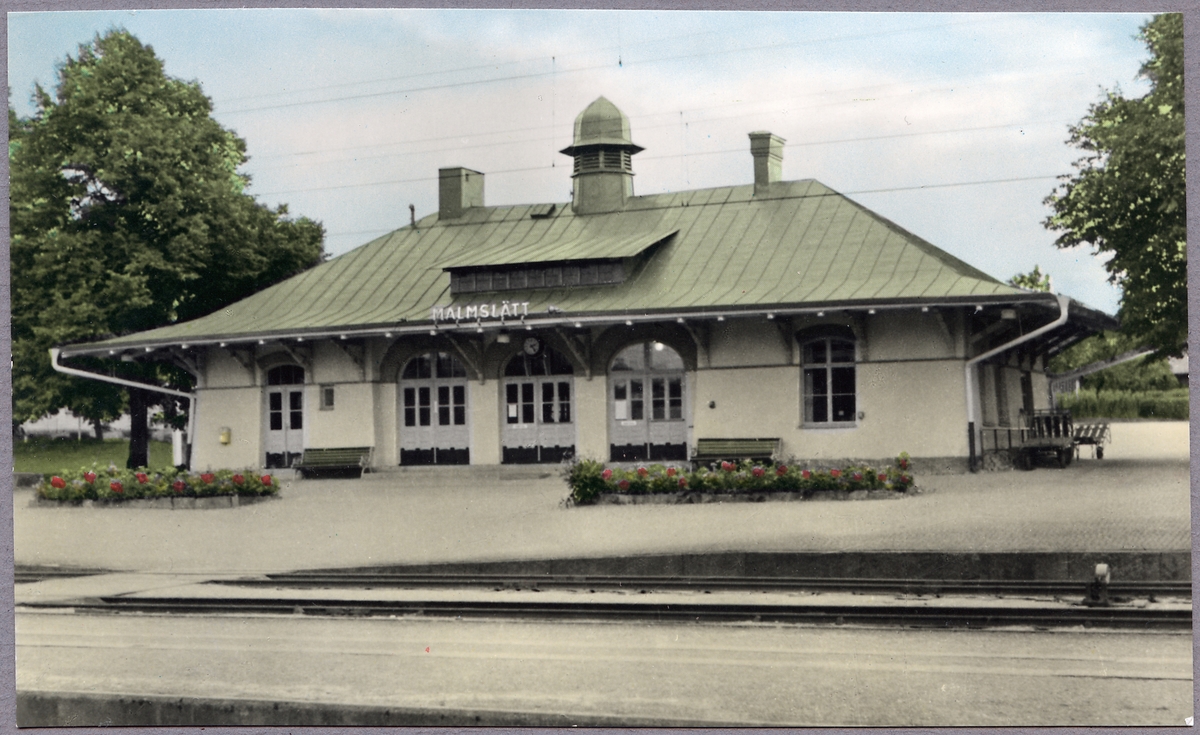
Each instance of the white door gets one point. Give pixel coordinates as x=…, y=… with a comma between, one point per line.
x=538, y=421
x=284, y=442
x=647, y=408
x=434, y=411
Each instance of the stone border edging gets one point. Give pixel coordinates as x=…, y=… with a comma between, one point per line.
x=699, y=498
x=192, y=503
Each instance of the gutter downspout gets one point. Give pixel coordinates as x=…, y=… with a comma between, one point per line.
x=969, y=368
x=54, y=352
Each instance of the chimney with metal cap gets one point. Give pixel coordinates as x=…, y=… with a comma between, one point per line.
x=767, y=150
x=459, y=189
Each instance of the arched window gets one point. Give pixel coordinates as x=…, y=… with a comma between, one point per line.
x=549, y=362
x=445, y=401
x=285, y=375
x=829, y=384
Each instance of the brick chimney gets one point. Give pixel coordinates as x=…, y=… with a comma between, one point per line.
x=459, y=189
x=767, y=150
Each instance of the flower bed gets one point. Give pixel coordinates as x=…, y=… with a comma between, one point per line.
x=116, y=485
x=590, y=481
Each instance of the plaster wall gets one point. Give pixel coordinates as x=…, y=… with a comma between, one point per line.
x=221, y=370
x=387, y=439
x=240, y=409
x=736, y=342
x=1041, y=391
x=591, y=415
x=986, y=383
x=483, y=401
x=918, y=407
x=331, y=364
x=347, y=424
x=911, y=335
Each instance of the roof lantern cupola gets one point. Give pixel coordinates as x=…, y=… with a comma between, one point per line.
x=602, y=151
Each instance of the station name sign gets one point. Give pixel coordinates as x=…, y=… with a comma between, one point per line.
x=477, y=312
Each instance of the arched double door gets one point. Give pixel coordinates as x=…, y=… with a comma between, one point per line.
x=538, y=422
x=434, y=411
x=646, y=404
x=284, y=420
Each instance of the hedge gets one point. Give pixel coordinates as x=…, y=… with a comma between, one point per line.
x=1112, y=404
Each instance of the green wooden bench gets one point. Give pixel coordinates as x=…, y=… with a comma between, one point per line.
x=348, y=460
x=713, y=450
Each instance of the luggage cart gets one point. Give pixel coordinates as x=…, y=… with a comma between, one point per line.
x=1048, y=435
x=1095, y=434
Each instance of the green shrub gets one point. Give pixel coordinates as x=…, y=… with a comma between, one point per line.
x=1172, y=404
x=587, y=479
x=113, y=484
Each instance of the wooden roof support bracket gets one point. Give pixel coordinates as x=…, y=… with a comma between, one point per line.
x=184, y=360
x=699, y=334
x=470, y=352
x=194, y=364
x=580, y=349
x=356, y=359
x=298, y=357
x=246, y=362
x=788, y=335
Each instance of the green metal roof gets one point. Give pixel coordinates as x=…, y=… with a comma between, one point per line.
x=800, y=244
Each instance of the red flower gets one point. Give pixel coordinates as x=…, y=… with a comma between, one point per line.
x=116, y=487
x=758, y=472
x=682, y=482
x=89, y=477
x=58, y=482
x=141, y=477
x=727, y=466
x=179, y=486
x=671, y=471
x=623, y=484
x=781, y=470
x=266, y=480
x=805, y=474
x=904, y=464
x=238, y=479
x=857, y=476
x=607, y=474
x=905, y=479
x=207, y=477
x=883, y=477
x=642, y=471
x=835, y=474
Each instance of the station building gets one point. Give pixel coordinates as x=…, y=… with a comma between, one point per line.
x=623, y=328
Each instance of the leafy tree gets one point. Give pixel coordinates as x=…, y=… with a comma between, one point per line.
x=1127, y=196
x=128, y=213
x=1034, y=280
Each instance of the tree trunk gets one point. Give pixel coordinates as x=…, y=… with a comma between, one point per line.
x=139, y=429
x=98, y=427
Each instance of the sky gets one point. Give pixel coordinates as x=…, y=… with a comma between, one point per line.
x=953, y=126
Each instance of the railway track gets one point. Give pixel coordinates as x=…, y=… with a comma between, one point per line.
x=905, y=602
x=971, y=617
x=374, y=580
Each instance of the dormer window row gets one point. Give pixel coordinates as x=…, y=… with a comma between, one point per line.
x=594, y=273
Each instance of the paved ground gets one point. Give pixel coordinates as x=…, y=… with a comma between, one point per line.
x=1135, y=499
x=588, y=673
